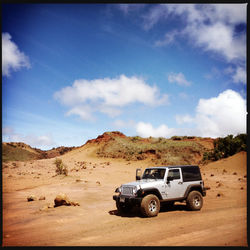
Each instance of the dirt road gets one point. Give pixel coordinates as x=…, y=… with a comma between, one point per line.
x=222, y=220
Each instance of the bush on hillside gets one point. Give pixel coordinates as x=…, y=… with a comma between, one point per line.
x=227, y=146
x=60, y=167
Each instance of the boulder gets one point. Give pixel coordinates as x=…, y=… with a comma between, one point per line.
x=31, y=198
x=62, y=199
x=42, y=198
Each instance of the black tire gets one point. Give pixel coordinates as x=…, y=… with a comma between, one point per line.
x=194, y=201
x=123, y=208
x=150, y=206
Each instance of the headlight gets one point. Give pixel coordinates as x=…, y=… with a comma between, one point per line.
x=134, y=190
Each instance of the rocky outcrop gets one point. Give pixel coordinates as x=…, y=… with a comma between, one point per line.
x=63, y=200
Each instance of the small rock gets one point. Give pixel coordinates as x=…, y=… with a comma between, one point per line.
x=44, y=208
x=234, y=173
x=79, y=180
x=75, y=203
x=241, y=188
x=98, y=182
x=219, y=195
x=42, y=198
x=245, y=176
x=219, y=185
x=212, y=175
x=62, y=199
x=31, y=198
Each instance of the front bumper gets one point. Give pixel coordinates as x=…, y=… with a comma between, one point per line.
x=127, y=199
x=204, y=192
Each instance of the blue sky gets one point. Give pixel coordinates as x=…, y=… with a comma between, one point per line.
x=71, y=72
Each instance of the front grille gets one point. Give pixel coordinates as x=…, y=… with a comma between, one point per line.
x=127, y=190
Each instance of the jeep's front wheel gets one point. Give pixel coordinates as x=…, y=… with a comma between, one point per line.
x=150, y=205
x=194, y=201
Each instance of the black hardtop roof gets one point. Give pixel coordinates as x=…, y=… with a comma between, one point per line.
x=182, y=166
x=175, y=166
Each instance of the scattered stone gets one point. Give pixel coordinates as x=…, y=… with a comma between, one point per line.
x=74, y=203
x=212, y=175
x=98, y=182
x=241, y=188
x=219, y=185
x=219, y=195
x=10, y=175
x=31, y=198
x=44, y=208
x=61, y=199
x=239, y=179
x=224, y=171
x=42, y=198
x=234, y=173
x=79, y=180
x=50, y=205
x=245, y=176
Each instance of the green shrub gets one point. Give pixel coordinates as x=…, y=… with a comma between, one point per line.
x=227, y=146
x=60, y=167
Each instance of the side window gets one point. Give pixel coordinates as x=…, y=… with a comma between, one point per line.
x=175, y=173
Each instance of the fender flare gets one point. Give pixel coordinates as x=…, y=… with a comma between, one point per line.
x=145, y=191
x=192, y=187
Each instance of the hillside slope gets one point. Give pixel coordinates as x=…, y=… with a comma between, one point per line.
x=19, y=151
x=160, y=151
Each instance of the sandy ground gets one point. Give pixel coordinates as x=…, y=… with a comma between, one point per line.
x=221, y=222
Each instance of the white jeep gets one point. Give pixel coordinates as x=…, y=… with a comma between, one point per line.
x=159, y=185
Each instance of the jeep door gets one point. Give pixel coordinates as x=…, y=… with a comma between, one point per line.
x=174, y=187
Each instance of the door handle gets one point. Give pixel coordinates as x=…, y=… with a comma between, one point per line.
x=180, y=182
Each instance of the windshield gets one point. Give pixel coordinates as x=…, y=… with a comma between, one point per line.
x=153, y=173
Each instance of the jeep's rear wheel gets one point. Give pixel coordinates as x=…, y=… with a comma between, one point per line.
x=123, y=208
x=194, y=201
x=150, y=205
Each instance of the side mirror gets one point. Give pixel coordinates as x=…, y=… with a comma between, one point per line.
x=169, y=178
x=138, y=174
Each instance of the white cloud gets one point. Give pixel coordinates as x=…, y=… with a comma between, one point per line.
x=34, y=141
x=108, y=96
x=12, y=57
x=126, y=8
x=222, y=115
x=168, y=38
x=146, y=129
x=207, y=26
x=178, y=78
x=180, y=119
x=124, y=124
x=215, y=117
x=240, y=75
x=218, y=116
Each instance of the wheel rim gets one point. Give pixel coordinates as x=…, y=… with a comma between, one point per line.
x=152, y=206
x=197, y=201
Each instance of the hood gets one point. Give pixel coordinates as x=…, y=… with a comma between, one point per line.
x=143, y=183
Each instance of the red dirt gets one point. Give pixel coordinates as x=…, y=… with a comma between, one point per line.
x=221, y=222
